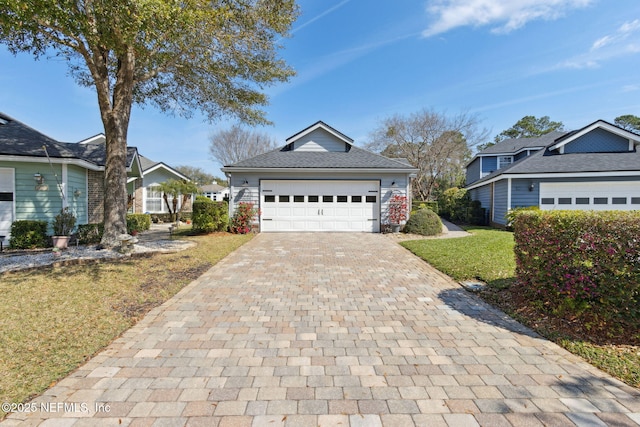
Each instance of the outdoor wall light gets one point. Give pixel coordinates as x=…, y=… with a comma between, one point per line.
x=245, y=184
x=531, y=186
x=77, y=193
x=39, y=179
x=394, y=185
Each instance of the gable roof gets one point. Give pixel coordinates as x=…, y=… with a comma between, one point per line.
x=515, y=145
x=21, y=141
x=320, y=125
x=599, y=124
x=149, y=166
x=548, y=161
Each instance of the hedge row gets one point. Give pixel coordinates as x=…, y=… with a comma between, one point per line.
x=138, y=222
x=29, y=234
x=581, y=262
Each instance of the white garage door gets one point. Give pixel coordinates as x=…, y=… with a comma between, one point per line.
x=590, y=195
x=320, y=206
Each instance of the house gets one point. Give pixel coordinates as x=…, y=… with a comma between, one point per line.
x=319, y=181
x=215, y=192
x=144, y=189
x=593, y=168
x=39, y=176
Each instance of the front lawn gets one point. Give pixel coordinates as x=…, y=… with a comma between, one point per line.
x=487, y=255
x=54, y=319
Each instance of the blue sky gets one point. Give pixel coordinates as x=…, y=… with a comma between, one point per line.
x=359, y=62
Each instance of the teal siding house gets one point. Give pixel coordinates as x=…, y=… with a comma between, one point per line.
x=593, y=168
x=39, y=176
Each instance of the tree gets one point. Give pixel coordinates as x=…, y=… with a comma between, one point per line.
x=437, y=144
x=199, y=175
x=530, y=127
x=214, y=56
x=235, y=144
x=177, y=189
x=628, y=122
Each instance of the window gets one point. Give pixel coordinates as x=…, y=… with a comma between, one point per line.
x=548, y=201
x=298, y=199
x=327, y=199
x=269, y=199
x=619, y=200
x=283, y=199
x=154, y=199
x=600, y=200
x=635, y=200
x=356, y=199
x=504, y=161
x=371, y=199
x=342, y=199
x=564, y=200
x=582, y=200
x=313, y=199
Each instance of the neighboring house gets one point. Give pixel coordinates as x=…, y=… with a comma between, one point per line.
x=146, y=196
x=39, y=176
x=594, y=168
x=215, y=192
x=319, y=181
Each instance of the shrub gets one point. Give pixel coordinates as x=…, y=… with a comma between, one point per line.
x=424, y=222
x=28, y=234
x=63, y=223
x=397, y=209
x=456, y=205
x=209, y=216
x=138, y=222
x=581, y=263
x=242, y=218
x=424, y=205
x=90, y=233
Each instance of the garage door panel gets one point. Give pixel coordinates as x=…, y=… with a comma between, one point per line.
x=589, y=195
x=320, y=205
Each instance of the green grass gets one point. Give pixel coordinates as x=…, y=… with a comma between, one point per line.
x=486, y=255
x=54, y=319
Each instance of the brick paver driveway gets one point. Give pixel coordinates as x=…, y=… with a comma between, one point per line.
x=331, y=330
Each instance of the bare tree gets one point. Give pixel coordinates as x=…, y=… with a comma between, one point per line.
x=235, y=144
x=437, y=144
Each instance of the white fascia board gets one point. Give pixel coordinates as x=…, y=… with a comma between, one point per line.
x=167, y=168
x=333, y=132
x=55, y=160
x=322, y=170
x=602, y=125
x=556, y=175
x=99, y=138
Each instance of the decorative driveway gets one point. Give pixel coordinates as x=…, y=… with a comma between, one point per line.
x=331, y=330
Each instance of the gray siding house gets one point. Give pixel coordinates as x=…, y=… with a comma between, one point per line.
x=593, y=168
x=319, y=181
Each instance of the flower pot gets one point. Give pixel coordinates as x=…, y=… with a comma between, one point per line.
x=395, y=228
x=60, y=242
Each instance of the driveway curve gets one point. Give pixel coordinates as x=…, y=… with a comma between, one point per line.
x=331, y=330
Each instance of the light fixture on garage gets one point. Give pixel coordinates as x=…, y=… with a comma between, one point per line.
x=531, y=186
x=245, y=184
x=38, y=178
x=394, y=185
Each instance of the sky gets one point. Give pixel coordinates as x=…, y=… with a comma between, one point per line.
x=359, y=62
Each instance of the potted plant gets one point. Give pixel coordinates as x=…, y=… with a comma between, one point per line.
x=63, y=224
x=397, y=211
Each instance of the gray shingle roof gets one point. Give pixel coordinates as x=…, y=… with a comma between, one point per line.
x=18, y=139
x=354, y=158
x=513, y=145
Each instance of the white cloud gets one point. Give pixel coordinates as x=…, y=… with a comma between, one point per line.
x=623, y=33
x=503, y=16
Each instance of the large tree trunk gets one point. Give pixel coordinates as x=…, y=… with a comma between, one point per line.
x=115, y=114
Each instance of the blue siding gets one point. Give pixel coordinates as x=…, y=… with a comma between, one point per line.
x=489, y=164
x=500, y=202
x=598, y=141
x=77, y=184
x=483, y=195
x=521, y=196
x=519, y=156
x=473, y=171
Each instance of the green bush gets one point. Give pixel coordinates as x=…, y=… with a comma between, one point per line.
x=28, y=234
x=456, y=205
x=90, y=233
x=581, y=263
x=138, y=222
x=424, y=222
x=424, y=205
x=166, y=217
x=209, y=216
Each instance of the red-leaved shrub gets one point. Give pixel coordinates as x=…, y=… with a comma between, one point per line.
x=243, y=217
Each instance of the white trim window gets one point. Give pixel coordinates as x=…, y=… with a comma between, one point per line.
x=504, y=161
x=153, y=199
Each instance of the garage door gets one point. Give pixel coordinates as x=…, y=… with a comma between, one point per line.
x=590, y=195
x=320, y=206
